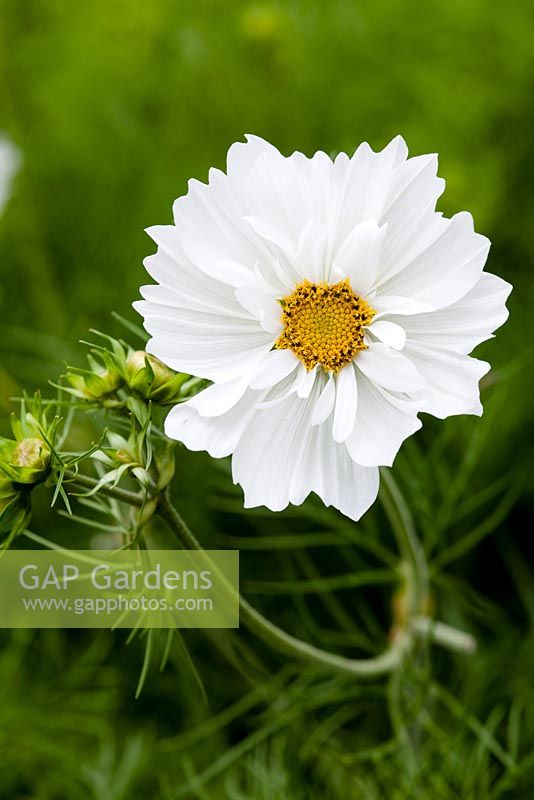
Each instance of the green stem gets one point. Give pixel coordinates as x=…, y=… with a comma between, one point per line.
x=409, y=546
x=278, y=638
x=445, y=635
x=416, y=579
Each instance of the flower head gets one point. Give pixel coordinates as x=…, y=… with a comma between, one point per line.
x=329, y=303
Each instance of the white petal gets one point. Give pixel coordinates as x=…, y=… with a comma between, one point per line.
x=332, y=474
x=282, y=194
x=281, y=459
x=217, y=435
x=312, y=254
x=465, y=324
x=383, y=422
x=414, y=182
x=209, y=345
x=383, y=165
x=273, y=233
x=218, y=398
x=346, y=404
x=410, y=214
x=390, y=333
x=286, y=387
x=243, y=156
x=452, y=380
x=307, y=382
x=173, y=269
x=268, y=456
x=325, y=403
x=162, y=295
x=396, y=151
x=233, y=273
x=358, y=256
x=391, y=304
x=389, y=369
x=361, y=185
x=447, y=269
x=263, y=306
x=210, y=229
x=206, y=354
x=276, y=365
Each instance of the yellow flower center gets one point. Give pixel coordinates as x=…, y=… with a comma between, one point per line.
x=324, y=324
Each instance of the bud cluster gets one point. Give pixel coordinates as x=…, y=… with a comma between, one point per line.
x=132, y=387
x=117, y=371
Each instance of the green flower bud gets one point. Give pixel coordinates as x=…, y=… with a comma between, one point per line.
x=123, y=457
x=103, y=383
x=148, y=376
x=94, y=385
x=25, y=461
x=139, y=372
x=32, y=453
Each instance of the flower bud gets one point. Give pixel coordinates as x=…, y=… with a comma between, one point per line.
x=31, y=453
x=148, y=376
x=24, y=461
x=123, y=457
x=137, y=364
x=95, y=385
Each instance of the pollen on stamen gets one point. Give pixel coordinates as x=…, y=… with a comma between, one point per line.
x=324, y=324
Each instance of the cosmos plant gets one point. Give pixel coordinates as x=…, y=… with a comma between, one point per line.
x=305, y=312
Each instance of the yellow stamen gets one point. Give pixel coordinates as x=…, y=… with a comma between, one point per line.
x=324, y=324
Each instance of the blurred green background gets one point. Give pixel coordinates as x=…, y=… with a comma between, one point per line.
x=114, y=105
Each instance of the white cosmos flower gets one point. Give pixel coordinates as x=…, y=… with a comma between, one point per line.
x=329, y=303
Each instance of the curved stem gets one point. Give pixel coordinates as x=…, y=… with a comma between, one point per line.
x=277, y=637
x=409, y=546
x=417, y=585
x=416, y=580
